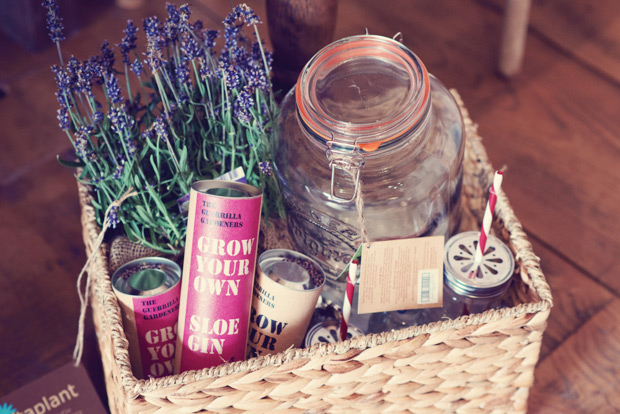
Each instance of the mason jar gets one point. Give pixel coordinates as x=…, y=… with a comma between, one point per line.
x=468, y=288
x=471, y=288
x=368, y=143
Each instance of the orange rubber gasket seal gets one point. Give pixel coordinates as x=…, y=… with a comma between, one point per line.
x=362, y=43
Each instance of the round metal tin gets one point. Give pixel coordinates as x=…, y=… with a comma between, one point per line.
x=291, y=269
x=327, y=332
x=223, y=223
x=286, y=291
x=148, y=292
x=146, y=277
x=226, y=189
x=492, y=275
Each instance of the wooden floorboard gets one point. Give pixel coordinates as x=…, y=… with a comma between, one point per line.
x=555, y=128
x=42, y=253
x=574, y=303
x=564, y=157
x=587, y=31
x=581, y=376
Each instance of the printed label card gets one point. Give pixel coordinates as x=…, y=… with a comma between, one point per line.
x=401, y=274
x=67, y=390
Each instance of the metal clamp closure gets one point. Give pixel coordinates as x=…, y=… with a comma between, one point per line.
x=347, y=157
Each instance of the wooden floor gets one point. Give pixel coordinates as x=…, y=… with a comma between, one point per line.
x=555, y=129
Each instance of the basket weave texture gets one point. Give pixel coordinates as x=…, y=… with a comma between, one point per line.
x=482, y=363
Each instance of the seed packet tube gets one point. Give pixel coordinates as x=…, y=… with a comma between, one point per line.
x=148, y=290
x=218, y=274
x=286, y=290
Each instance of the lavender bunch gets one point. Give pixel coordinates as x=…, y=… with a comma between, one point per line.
x=193, y=114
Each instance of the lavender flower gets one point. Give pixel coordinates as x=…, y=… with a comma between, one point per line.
x=96, y=69
x=54, y=22
x=147, y=134
x=114, y=91
x=82, y=142
x=256, y=79
x=96, y=180
x=63, y=83
x=152, y=27
x=113, y=219
x=248, y=15
x=118, y=172
x=209, y=38
x=257, y=56
x=119, y=119
x=136, y=67
x=63, y=118
x=171, y=27
x=173, y=108
x=241, y=107
x=231, y=36
x=155, y=43
x=185, y=13
x=60, y=97
x=232, y=17
x=107, y=57
x=73, y=66
x=265, y=167
x=205, y=70
x=229, y=72
x=84, y=80
x=97, y=117
x=130, y=144
x=241, y=57
x=128, y=43
x=182, y=74
x=160, y=128
x=244, y=12
x=196, y=27
x=189, y=47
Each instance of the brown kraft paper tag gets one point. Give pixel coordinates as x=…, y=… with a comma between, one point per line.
x=67, y=390
x=401, y=274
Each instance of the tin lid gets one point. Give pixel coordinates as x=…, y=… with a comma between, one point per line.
x=362, y=90
x=328, y=332
x=227, y=189
x=291, y=269
x=492, y=276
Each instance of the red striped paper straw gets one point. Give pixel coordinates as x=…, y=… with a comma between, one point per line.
x=348, y=300
x=488, y=217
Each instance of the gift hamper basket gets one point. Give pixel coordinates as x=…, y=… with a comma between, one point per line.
x=479, y=363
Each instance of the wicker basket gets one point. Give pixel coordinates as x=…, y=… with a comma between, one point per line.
x=481, y=363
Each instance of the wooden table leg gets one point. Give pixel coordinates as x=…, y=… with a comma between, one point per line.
x=516, y=19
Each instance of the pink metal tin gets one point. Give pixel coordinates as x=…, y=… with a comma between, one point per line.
x=218, y=274
x=148, y=290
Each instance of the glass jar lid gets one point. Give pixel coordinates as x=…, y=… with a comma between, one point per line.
x=491, y=277
x=362, y=90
